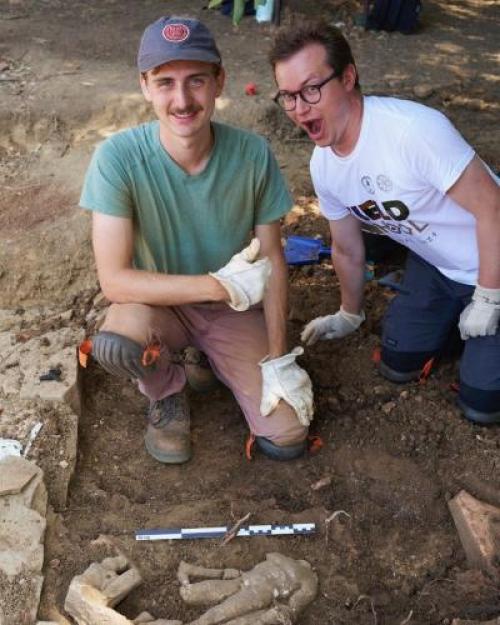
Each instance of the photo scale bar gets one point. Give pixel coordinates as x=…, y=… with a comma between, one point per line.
x=190, y=533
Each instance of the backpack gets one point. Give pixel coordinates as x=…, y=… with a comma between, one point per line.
x=401, y=15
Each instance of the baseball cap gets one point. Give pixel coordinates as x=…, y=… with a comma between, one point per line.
x=173, y=38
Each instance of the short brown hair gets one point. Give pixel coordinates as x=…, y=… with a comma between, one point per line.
x=290, y=40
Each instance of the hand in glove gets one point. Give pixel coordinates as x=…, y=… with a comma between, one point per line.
x=480, y=317
x=244, y=277
x=282, y=378
x=334, y=326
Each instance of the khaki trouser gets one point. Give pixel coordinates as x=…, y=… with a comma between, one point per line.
x=234, y=342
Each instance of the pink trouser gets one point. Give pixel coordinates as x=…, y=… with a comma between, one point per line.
x=234, y=343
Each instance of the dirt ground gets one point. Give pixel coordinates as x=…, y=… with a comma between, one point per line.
x=394, y=455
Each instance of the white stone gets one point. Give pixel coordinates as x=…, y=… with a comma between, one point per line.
x=34, y=358
x=15, y=474
x=21, y=538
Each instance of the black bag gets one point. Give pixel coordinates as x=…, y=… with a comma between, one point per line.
x=401, y=15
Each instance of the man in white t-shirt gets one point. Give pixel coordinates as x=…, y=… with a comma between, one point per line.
x=401, y=169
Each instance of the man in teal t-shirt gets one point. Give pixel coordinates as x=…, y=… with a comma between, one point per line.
x=174, y=201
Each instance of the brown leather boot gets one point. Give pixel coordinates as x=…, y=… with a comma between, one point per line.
x=199, y=374
x=167, y=436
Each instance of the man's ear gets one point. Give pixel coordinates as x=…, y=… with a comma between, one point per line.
x=220, y=79
x=143, y=79
x=349, y=76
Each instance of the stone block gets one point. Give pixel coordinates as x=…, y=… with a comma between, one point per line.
x=20, y=598
x=26, y=361
x=21, y=538
x=478, y=526
x=33, y=495
x=15, y=474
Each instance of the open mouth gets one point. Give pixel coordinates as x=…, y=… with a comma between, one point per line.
x=313, y=128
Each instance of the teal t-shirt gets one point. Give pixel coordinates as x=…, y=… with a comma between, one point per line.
x=186, y=224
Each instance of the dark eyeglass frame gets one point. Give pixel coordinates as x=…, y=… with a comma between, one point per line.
x=292, y=105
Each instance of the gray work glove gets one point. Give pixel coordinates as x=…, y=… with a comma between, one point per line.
x=282, y=378
x=480, y=317
x=244, y=277
x=334, y=326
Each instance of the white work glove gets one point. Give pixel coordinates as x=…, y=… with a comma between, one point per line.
x=282, y=378
x=480, y=317
x=244, y=277
x=334, y=326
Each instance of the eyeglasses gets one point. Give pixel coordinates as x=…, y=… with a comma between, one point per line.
x=310, y=94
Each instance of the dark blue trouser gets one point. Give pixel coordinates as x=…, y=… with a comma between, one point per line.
x=418, y=323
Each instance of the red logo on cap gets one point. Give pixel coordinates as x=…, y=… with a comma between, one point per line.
x=175, y=32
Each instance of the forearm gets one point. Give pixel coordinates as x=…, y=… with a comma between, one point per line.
x=276, y=307
x=488, y=242
x=351, y=274
x=158, y=289
x=477, y=192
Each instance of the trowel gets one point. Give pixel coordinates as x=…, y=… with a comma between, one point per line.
x=305, y=250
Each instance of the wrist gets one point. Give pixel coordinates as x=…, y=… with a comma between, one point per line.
x=487, y=296
x=355, y=315
x=217, y=292
x=278, y=349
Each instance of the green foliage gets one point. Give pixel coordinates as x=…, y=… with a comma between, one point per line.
x=238, y=8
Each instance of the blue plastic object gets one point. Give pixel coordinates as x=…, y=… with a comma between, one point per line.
x=305, y=250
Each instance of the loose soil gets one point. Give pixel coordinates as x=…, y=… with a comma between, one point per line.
x=394, y=455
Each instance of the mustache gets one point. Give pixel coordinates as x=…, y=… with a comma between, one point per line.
x=186, y=111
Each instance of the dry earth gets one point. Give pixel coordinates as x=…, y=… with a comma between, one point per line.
x=394, y=455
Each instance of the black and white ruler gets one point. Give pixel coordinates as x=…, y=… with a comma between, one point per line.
x=190, y=533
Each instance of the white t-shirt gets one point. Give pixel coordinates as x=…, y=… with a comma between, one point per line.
x=395, y=181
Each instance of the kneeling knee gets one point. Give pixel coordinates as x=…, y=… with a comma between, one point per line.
x=401, y=367
x=118, y=354
x=479, y=405
x=293, y=435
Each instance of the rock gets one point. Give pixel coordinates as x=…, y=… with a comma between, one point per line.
x=423, y=91
x=15, y=473
x=93, y=594
x=34, y=357
x=324, y=481
x=477, y=524
x=389, y=407
x=22, y=529
x=21, y=536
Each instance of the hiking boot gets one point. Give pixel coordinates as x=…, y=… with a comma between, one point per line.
x=167, y=435
x=199, y=374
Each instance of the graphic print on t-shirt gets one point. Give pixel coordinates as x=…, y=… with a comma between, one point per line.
x=379, y=218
